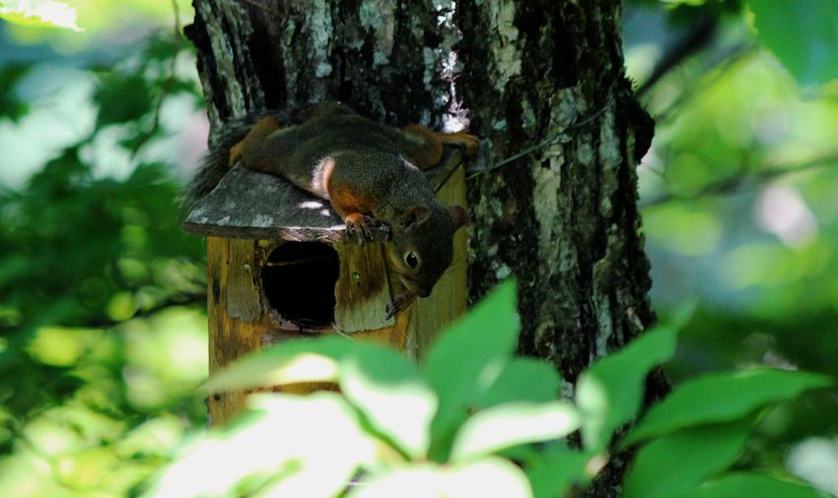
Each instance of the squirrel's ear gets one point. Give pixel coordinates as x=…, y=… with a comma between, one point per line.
x=415, y=215
x=458, y=216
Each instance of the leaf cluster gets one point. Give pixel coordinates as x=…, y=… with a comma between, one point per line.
x=96, y=282
x=473, y=419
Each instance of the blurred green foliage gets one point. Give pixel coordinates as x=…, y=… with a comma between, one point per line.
x=739, y=198
x=459, y=427
x=102, y=329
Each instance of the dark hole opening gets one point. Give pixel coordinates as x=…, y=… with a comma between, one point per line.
x=299, y=281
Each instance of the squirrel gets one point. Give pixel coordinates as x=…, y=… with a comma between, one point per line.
x=370, y=173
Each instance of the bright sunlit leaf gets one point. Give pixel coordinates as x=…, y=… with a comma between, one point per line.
x=421, y=480
x=298, y=445
x=312, y=360
x=59, y=346
x=511, y=424
x=49, y=13
x=396, y=401
x=486, y=477
x=468, y=358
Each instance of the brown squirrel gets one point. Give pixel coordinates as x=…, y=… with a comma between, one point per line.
x=371, y=174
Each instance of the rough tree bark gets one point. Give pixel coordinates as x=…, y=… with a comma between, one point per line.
x=547, y=77
x=541, y=80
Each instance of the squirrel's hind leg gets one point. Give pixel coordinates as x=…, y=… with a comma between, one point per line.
x=466, y=141
x=252, y=145
x=424, y=146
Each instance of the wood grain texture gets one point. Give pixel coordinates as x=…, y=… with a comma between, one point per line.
x=362, y=293
x=234, y=330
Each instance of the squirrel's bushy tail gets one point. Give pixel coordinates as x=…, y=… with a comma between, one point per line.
x=215, y=162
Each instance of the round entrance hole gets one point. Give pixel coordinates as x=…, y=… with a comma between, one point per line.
x=299, y=281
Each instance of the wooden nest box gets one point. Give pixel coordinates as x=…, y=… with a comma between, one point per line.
x=279, y=267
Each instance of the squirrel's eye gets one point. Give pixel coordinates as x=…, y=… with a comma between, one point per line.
x=411, y=260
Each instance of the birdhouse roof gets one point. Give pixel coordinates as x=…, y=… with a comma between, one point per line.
x=250, y=205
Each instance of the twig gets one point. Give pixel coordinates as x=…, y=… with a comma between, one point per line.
x=699, y=37
x=738, y=182
x=549, y=141
x=258, y=5
x=720, y=65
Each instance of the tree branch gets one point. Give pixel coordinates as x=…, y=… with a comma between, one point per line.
x=740, y=182
x=699, y=37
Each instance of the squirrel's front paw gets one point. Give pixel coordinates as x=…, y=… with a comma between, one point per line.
x=400, y=302
x=360, y=227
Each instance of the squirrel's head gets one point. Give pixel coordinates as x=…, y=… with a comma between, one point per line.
x=423, y=245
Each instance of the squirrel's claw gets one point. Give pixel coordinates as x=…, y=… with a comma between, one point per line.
x=400, y=302
x=360, y=226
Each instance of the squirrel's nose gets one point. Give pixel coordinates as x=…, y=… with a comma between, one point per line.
x=416, y=287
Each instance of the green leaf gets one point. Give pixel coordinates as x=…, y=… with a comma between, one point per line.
x=722, y=397
x=163, y=47
x=512, y=424
x=42, y=13
x=122, y=98
x=802, y=35
x=684, y=2
x=315, y=443
x=396, y=401
x=419, y=479
x=500, y=476
x=739, y=485
x=11, y=105
x=306, y=360
x=539, y=376
x=678, y=462
x=610, y=392
x=556, y=469
x=466, y=361
x=455, y=481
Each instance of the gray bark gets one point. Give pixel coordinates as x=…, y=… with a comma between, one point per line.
x=564, y=218
x=543, y=77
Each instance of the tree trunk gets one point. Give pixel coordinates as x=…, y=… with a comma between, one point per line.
x=541, y=81
x=562, y=218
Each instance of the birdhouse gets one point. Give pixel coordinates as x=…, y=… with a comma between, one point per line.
x=279, y=266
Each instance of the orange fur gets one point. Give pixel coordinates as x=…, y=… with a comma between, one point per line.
x=354, y=162
x=348, y=202
x=428, y=150
x=254, y=142
x=467, y=141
